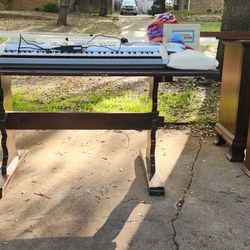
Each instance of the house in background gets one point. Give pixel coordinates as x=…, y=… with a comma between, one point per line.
x=191, y=5
x=201, y=5
x=91, y=6
x=205, y=5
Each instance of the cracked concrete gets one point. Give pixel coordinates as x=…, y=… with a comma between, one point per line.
x=181, y=201
x=216, y=210
x=94, y=196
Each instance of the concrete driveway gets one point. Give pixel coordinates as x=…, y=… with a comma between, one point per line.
x=134, y=27
x=86, y=190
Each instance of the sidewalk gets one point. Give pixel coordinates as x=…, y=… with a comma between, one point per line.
x=86, y=190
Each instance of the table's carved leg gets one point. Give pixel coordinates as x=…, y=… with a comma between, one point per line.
x=236, y=153
x=5, y=152
x=155, y=185
x=11, y=158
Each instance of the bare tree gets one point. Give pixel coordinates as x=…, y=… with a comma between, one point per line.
x=63, y=9
x=72, y=5
x=103, y=8
x=236, y=17
x=162, y=4
x=182, y=5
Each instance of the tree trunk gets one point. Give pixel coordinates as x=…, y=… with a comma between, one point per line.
x=162, y=3
x=182, y=5
x=236, y=17
x=63, y=8
x=103, y=8
x=72, y=5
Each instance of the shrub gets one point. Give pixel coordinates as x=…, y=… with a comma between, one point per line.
x=50, y=7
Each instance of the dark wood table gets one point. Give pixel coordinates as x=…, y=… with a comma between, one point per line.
x=150, y=121
x=234, y=110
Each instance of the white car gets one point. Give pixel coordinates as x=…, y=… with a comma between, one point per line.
x=169, y=3
x=128, y=7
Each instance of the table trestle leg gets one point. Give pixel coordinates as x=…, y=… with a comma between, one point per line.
x=155, y=185
x=11, y=158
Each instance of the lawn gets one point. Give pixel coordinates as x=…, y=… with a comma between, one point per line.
x=208, y=22
x=184, y=100
x=27, y=21
x=210, y=26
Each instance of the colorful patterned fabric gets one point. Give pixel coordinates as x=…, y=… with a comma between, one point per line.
x=155, y=29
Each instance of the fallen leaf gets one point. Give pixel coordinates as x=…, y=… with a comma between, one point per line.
x=42, y=195
x=98, y=197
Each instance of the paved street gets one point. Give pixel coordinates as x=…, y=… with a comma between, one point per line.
x=134, y=27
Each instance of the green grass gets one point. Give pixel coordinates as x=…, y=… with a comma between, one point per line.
x=210, y=26
x=29, y=102
x=175, y=107
x=123, y=103
x=207, y=26
x=208, y=111
x=3, y=39
x=185, y=13
x=179, y=106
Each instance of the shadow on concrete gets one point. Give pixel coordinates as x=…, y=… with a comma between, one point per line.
x=216, y=186
x=103, y=238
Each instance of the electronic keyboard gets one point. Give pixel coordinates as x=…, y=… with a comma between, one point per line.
x=29, y=54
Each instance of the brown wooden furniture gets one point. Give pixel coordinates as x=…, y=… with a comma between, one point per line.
x=246, y=167
x=234, y=110
x=150, y=121
x=227, y=35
